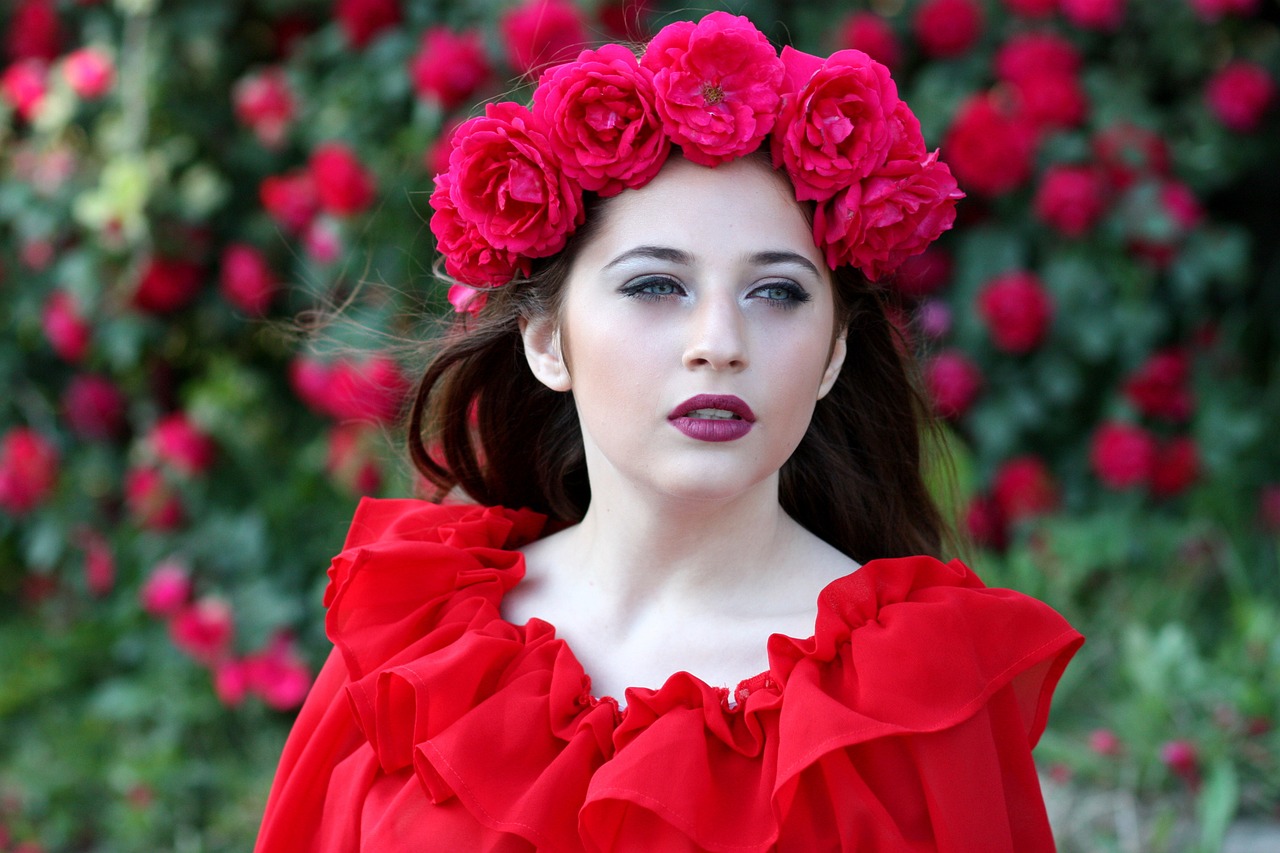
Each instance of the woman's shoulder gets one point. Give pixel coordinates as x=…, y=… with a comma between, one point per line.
x=405, y=561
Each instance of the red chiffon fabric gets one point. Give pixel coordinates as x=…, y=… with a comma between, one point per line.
x=905, y=723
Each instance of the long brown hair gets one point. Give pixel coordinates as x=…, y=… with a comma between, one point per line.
x=481, y=422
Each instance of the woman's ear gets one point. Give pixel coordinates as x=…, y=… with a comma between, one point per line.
x=542, y=351
x=839, y=348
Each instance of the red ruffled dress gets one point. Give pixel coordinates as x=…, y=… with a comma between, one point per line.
x=905, y=723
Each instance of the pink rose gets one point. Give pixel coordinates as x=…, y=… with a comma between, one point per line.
x=246, y=280
x=204, y=630
x=264, y=103
x=152, y=502
x=468, y=257
x=65, y=328
x=541, y=33
x=24, y=85
x=990, y=147
x=1017, y=311
x=33, y=31
x=717, y=83
x=507, y=184
x=166, y=285
x=94, y=407
x=343, y=185
x=947, y=28
x=1239, y=95
x=1071, y=199
x=278, y=674
x=178, y=443
x=1160, y=387
x=166, y=590
x=292, y=200
x=89, y=72
x=871, y=34
x=1032, y=53
x=1122, y=455
x=1024, y=487
x=364, y=20
x=953, y=382
x=1177, y=466
x=28, y=470
x=1103, y=15
x=834, y=127
x=1051, y=100
x=879, y=222
x=601, y=117
x=449, y=66
x=466, y=299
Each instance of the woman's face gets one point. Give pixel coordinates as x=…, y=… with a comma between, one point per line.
x=696, y=333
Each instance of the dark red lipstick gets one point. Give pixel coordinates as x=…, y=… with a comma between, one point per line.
x=713, y=417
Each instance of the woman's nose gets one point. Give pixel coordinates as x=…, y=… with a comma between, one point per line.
x=717, y=337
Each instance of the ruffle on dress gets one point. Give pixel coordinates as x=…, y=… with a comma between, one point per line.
x=904, y=723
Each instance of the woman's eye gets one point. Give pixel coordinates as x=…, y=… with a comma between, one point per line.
x=784, y=294
x=653, y=287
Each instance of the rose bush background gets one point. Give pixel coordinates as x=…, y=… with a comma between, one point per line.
x=182, y=181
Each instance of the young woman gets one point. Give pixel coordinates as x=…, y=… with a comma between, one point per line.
x=692, y=600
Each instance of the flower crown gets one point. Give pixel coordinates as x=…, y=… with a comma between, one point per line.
x=606, y=122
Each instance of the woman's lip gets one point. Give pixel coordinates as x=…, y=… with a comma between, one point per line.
x=728, y=402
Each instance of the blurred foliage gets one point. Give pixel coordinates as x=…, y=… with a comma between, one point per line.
x=141, y=715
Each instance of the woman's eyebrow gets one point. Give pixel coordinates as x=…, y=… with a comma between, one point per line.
x=659, y=253
x=763, y=259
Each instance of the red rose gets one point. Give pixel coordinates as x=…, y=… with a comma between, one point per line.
x=94, y=407
x=64, y=328
x=601, y=117
x=990, y=148
x=468, y=257
x=541, y=33
x=363, y=20
x=352, y=458
x=953, y=382
x=717, y=83
x=835, y=127
x=449, y=66
x=1239, y=94
x=1126, y=152
x=1071, y=199
x=1177, y=466
x=152, y=502
x=1159, y=389
x=1023, y=488
x=871, y=34
x=1051, y=100
x=343, y=185
x=947, y=28
x=178, y=443
x=246, y=280
x=277, y=674
x=1017, y=311
x=1033, y=53
x=1094, y=14
x=923, y=274
x=506, y=184
x=985, y=524
x=879, y=222
x=292, y=200
x=264, y=103
x=1032, y=8
x=89, y=72
x=1122, y=455
x=204, y=630
x=28, y=470
x=33, y=31
x=24, y=85
x=166, y=590
x=166, y=285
